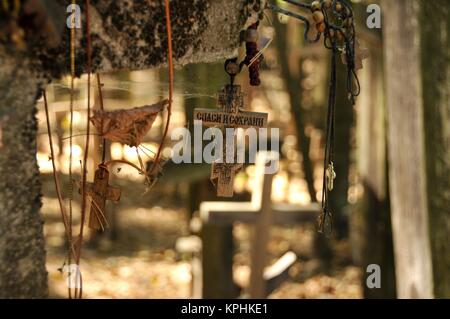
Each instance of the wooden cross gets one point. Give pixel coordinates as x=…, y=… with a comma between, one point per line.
x=100, y=191
x=230, y=116
x=262, y=214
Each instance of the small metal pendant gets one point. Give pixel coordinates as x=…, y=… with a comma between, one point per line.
x=330, y=175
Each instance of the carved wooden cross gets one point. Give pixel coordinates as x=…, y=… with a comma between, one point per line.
x=100, y=191
x=230, y=116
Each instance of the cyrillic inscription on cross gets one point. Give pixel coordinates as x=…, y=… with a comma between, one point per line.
x=231, y=115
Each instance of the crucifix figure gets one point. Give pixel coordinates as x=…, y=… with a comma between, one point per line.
x=100, y=191
x=230, y=116
x=222, y=175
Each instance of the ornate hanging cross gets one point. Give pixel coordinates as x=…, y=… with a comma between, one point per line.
x=100, y=191
x=230, y=116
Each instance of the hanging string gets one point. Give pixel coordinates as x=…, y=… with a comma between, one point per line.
x=55, y=176
x=70, y=194
x=100, y=97
x=86, y=150
x=251, y=48
x=154, y=167
x=326, y=219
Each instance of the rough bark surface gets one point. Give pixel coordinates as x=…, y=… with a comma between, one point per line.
x=435, y=23
x=132, y=34
x=22, y=254
x=125, y=34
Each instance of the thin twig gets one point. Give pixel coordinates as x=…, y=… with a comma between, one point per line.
x=100, y=97
x=55, y=177
x=72, y=78
x=86, y=150
x=169, y=107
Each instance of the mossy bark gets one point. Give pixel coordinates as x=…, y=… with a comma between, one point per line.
x=22, y=254
x=435, y=41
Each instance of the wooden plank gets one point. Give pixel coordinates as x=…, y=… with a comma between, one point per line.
x=406, y=150
x=293, y=213
x=244, y=212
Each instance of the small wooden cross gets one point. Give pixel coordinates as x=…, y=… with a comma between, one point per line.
x=230, y=116
x=100, y=191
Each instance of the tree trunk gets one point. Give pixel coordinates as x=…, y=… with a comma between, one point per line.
x=22, y=253
x=408, y=95
x=435, y=33
x=125, y=35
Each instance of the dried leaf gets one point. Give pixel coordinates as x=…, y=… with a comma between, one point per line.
x=127, y=126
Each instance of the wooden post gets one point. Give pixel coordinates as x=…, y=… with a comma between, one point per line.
x=218, y=266
x=261, y=233
x=407, y=179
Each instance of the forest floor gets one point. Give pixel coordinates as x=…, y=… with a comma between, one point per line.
x=136, y=257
